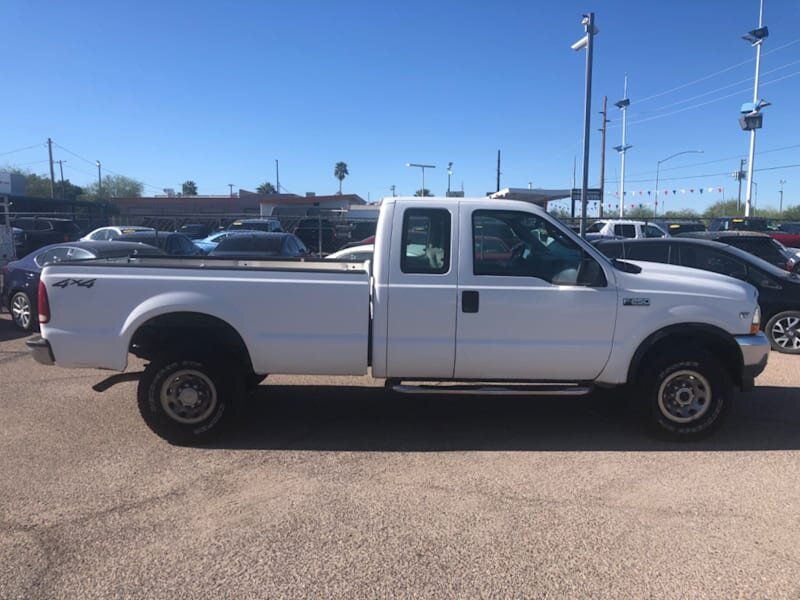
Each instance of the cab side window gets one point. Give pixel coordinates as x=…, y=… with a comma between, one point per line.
x=651, y=231
x=426, y=241
x=625, y=230
x=518, y=244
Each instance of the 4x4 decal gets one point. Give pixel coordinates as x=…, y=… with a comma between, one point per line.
x=85, y=283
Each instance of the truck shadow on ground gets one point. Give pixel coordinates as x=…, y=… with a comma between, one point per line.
x=342, y=418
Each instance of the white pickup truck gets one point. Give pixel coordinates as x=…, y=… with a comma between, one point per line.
x=480, y=296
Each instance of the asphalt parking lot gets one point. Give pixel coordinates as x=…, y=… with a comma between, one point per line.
x=334, y=488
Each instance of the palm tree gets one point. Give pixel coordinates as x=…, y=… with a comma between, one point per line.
x=266, y=188
x=340, y=172
x=423, y=192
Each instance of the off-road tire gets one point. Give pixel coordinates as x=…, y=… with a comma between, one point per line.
x=684, y=395
x=190, y=400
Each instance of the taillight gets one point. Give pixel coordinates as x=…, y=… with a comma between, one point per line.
x=44, y=304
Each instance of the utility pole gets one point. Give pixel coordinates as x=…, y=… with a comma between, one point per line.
x=52, y=174
x=780, y=210
x=61, y=168
x=738, y=176
x=602, y=156
x=392, y=187
x=498, y=171
x=623, y=148
x=277, y=178
x=230, y=187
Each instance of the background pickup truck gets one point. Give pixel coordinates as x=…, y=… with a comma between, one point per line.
x=548, y=315
x=792, y=240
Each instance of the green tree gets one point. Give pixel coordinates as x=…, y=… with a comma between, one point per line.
x=423, y=192
x=684, y=213
x=340, y=172
x=559, y=212
x=189, y=188
x=266, y=188
x=115, y=186
x=639, y=212
x=723, y=208
x=792, y=213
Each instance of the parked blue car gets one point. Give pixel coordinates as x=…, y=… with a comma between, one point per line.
x=21, y=277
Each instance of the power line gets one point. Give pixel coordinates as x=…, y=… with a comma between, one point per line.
x=723, y=173
x=715, y=73
x=724, y=87
x=711, y=162
x=701, y=104
x=22, y=149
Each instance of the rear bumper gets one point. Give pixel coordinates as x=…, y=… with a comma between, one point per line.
x=755, y=352
x=41, y=351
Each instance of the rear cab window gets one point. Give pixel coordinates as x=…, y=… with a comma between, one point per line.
x=426, y=241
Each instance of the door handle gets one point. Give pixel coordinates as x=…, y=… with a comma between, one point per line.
x=470, y=301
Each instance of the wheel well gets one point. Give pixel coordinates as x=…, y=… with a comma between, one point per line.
x=189, y=331
x=715, y=341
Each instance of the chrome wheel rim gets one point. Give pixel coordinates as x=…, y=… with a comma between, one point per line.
x=21, y=310
x=684, y=396
x=188, y=396
x=786, y=333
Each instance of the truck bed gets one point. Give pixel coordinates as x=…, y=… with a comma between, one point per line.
x=294, y=316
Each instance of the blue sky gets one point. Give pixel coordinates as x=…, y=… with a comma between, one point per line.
x=169, y=91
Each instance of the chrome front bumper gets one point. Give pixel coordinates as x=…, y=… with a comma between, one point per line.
x=755, y=352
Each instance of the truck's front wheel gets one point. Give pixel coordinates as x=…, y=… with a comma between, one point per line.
x=188, y=400
x=686, y=394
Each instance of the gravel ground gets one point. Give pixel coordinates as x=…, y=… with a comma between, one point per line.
x=333, y=488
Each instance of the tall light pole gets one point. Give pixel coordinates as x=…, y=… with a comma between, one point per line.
x=99, y=181
x=756, y=37
x=587, y=41
x=422, y=167
x=780, y=210
x=658, y=169
x=449, y=174
x=230, y=187
x=623, y=148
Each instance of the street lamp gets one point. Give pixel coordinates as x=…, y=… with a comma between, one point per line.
x=752, y=118
x=449, y=174
x=422, y=167
x=587, y=41
x=658, y=169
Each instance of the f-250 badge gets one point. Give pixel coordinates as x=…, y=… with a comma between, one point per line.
x=84, y=283
x=636, y=302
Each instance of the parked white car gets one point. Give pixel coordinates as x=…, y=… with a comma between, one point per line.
x=354, y=253
x=112, y=233
x=612, y=228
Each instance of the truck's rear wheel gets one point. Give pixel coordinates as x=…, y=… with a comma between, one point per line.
x=686, y=394
x=189, y=400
